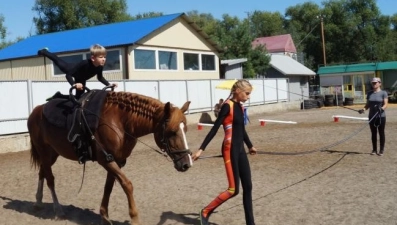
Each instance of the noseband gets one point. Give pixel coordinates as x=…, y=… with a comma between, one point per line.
x=168, y=150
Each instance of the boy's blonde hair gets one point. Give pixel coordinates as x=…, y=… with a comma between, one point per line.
x=97, y=50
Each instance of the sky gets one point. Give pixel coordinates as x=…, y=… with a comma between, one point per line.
x=18, y=14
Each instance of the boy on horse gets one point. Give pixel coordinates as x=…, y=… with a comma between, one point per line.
x=78, y=74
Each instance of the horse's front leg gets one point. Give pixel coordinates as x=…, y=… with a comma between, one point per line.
x=104, y=211
x=115, y=171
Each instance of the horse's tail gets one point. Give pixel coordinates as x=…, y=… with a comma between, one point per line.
x=33, y=128
x=34, y=156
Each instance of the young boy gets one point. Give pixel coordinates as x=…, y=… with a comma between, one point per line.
x=217, y=107
x=78, y=74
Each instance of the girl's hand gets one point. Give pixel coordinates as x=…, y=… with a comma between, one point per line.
x=252, y=151
x=196, y=155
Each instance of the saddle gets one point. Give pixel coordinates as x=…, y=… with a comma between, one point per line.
x=81, y=119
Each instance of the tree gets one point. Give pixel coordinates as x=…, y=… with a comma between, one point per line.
x=354, y=31
x=3, y=29
x=147, y=15
x=205, y=21
x=263, y=24
x=60, y=15
x=234, y=37
x=303, y=23
x=3, y=34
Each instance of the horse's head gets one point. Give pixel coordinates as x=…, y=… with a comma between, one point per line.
x=170, y=135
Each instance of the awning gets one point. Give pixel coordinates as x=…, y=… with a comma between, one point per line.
x=289, y=66
x=387, y=65
x=354, y=68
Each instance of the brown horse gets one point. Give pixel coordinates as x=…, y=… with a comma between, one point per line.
x=124, y=118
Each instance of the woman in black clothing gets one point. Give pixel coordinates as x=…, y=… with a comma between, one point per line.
x=377, y=101
x=231, y=116
x=78, y=74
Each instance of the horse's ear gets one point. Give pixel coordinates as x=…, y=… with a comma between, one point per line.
x=167, y=110
x=185, y=106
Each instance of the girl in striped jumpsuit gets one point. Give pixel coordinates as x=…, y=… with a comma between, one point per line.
x=231, y=116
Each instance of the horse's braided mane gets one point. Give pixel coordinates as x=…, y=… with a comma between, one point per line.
x=142, y=107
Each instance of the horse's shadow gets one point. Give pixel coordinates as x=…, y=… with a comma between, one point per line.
x=187, y=219
x=72, y=213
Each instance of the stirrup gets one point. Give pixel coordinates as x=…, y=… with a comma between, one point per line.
x=82, y=159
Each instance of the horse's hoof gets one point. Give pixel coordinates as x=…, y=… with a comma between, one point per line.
x=135, y=221
x=60, y=217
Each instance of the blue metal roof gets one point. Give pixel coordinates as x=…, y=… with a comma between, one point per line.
x=115, y=34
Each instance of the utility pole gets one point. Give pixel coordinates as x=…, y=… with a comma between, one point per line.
x=248, y=21
x=322, y=37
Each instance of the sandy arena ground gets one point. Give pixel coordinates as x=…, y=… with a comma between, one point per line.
x=342, y=185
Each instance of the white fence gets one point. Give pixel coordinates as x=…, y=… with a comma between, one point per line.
x=18, y=98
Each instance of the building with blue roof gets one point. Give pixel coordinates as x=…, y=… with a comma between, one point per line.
x=169, y=47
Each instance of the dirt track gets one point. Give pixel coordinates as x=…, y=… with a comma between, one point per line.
x=343, y=185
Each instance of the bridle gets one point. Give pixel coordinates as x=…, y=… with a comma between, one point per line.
x=167, y=149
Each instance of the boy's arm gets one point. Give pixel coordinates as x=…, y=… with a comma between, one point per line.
x=70, y=79
x=101, y=78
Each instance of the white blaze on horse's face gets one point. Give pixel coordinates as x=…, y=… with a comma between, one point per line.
x=182, y=126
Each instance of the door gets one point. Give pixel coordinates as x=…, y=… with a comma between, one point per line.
x=359, y=89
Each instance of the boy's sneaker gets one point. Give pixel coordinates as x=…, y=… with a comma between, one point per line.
x=380, y=153
x=373, y=153
x=41, y=51
x=203, y=219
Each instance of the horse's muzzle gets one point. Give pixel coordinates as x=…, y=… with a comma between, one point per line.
x=183, y=163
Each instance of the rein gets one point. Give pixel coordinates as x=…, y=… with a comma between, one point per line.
x=321, y=149
x=166, y=152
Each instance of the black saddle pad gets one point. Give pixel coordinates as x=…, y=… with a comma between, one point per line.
x=59, y=112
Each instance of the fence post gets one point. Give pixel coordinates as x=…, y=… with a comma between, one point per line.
x=30, y=96
x=278, y=99
x=187, y=94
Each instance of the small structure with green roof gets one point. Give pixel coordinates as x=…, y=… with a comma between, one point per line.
x=354, y=80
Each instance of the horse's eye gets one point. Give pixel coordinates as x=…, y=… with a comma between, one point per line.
x=171, y=133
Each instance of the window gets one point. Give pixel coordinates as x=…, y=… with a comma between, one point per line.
x=112, y=60
x=72, y=59
x=167, y=60
x=207, y=62
x=191, y=61
x=347, y=83
x=144, y=59
x=303, y=81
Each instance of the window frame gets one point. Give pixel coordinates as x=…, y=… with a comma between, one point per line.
x=198, y=59
x=157, y=59
x=180, y=64
x=201, y=59
x=176, y=60
x=200, y=54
